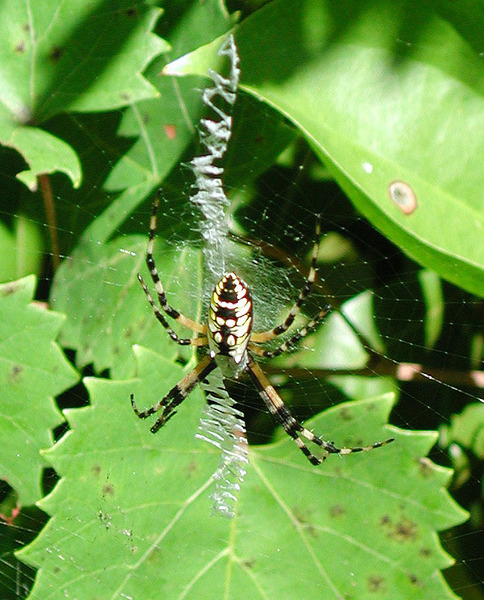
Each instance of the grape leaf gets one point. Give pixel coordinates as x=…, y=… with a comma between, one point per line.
x=131, y=514
x=32, y=371
x=43, y=152
x=108, y=312
x=134, y=150
x=74, y=56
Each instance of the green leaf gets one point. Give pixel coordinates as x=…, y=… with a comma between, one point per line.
x=333, y=346
x=461, y=439
x=55, y=53
x=467, y=429
x=32, y=371
x=107, y=310
x=431, y=290
x=167, y=125
x=131, y=514
x=164, y=127
x=381, y=103
x=43, y=152
x=59, y=57
x=22, y=250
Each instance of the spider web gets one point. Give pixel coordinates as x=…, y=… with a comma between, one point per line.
x=424, y=340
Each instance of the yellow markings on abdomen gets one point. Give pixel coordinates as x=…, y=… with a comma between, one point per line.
x=230, y=317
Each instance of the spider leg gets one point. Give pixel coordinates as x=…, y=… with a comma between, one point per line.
x=159, y=315
x=330, y=448
x=291, y=426
x=150, y=261
x=265, y=336
x=177, y=394
x=289, y=345
x=279, y=411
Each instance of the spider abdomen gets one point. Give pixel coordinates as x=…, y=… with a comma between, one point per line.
x=230, y=320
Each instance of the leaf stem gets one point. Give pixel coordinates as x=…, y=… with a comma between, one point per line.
x=46, y=191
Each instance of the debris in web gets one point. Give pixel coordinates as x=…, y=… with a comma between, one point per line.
x=221, y=424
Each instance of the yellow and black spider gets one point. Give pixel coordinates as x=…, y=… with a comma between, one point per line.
x=228, y=334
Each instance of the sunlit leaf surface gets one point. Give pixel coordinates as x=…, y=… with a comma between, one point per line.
x=131, y=514
x=32, y=371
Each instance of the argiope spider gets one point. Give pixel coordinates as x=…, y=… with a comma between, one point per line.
x=228, y=334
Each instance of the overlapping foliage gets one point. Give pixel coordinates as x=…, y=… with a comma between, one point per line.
x=378, y=102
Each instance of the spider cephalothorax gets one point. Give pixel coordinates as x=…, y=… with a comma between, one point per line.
x=232, y=345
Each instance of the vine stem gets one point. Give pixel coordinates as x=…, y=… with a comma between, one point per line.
x=46, y=191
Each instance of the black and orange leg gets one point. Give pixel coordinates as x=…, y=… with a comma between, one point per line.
x=289, y=345
x=265, y=336
x=169, y=310
x=177, y=394
x=292, y=427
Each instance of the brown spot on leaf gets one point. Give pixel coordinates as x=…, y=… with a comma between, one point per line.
x=304, y=518
x=414, y=580
x=20, y=47
x=385, y=520
x=108, y=490
x=15, y=373
x=56, y=53
x=154, y=556
x=404, y=530
x=192, y=467
x=312, y=531
x=345, y=414
x=425, y=467
x=248, y=563
x=336, y=511
x=9, y=288
x=375, y=583
x=96, y=470
x=300, y=514
x=425, y=552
